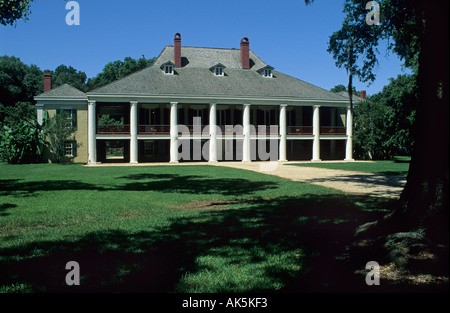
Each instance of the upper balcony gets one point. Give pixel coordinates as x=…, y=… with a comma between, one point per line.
x=224, y=129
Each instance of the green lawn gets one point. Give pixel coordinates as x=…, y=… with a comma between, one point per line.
x=173, y=229
x=399, y=166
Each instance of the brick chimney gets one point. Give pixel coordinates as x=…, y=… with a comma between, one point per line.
x=47, y=81
x=245, y=53
x=362, y=94
x=177, y=50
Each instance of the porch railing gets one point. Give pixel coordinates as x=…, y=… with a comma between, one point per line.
x=225, y=129
x=333, y=130
x=264, y=130
x=154, y=129
x=324, y=130
x=300, y=130
x=113, y=129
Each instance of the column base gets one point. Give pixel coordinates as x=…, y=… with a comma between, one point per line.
x=282, y=160
x=133, y=162
x=316, y=160
x=349, y=160
x=174, y=162
x=213, y=161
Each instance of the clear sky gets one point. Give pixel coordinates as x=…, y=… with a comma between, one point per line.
x=286, y=34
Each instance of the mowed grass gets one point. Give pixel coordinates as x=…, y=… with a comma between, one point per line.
x=171, y=229
x=399, y=166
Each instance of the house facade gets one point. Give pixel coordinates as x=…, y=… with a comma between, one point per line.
x=205, y=104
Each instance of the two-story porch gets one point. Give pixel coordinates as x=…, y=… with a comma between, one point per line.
x=171, y=132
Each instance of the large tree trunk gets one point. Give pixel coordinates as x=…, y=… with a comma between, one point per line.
x=424, y=200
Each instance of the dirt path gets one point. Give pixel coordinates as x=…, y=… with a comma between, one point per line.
x=347, y=181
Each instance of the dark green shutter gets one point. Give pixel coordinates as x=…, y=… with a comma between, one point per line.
x=74, y=118
x=74, y=148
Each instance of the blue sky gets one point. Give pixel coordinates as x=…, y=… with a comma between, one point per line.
x=285, y=34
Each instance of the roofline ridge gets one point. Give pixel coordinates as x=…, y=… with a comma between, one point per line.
x=60, y=86
x=207, y=48
x=308, y=83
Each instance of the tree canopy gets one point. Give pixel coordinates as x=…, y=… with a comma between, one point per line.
x=118, y=69
x=341, y=88
x=68, y=75
x=18, y=82
x=383, y=123
x=417, y=31
x=12, y=10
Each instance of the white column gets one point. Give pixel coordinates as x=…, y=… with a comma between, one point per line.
x=213, y=132
x=349, y=145
x=133, y=132
x=246, y=156
x=316, y=133
x=283, y=132
x=40, y=113
x=92, y=143
x=173, y=132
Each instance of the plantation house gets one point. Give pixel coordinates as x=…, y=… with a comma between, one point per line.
x=135, y=119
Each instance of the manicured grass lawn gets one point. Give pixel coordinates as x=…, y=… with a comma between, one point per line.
x=173, y=229
x=399, y=166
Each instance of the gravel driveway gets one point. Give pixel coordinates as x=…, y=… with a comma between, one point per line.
x=347, y=181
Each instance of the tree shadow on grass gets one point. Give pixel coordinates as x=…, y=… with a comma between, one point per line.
x=191, y=184
x=315, y=231
x=19, y=188
x=194, y=184
x=6, y=206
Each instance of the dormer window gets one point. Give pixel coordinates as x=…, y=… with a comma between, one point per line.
x=218, y=70
x=266, y=71
x=167, y=68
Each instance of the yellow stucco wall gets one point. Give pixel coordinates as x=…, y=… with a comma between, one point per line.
x=81, y=137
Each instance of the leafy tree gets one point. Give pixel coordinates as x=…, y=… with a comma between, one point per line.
x=341, y=88
x=107, y=120
x=12, y=10
x=58, y=130
x=18, y=81
x=418, y=32
x=21, y=139
x=118, y=69
x=399, y=99
x=68, y=75
x=369, y=130
x=12, y=115
x=383, y=122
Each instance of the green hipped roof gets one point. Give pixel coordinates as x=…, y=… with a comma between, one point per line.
x=63, y=91
x=194, y=78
